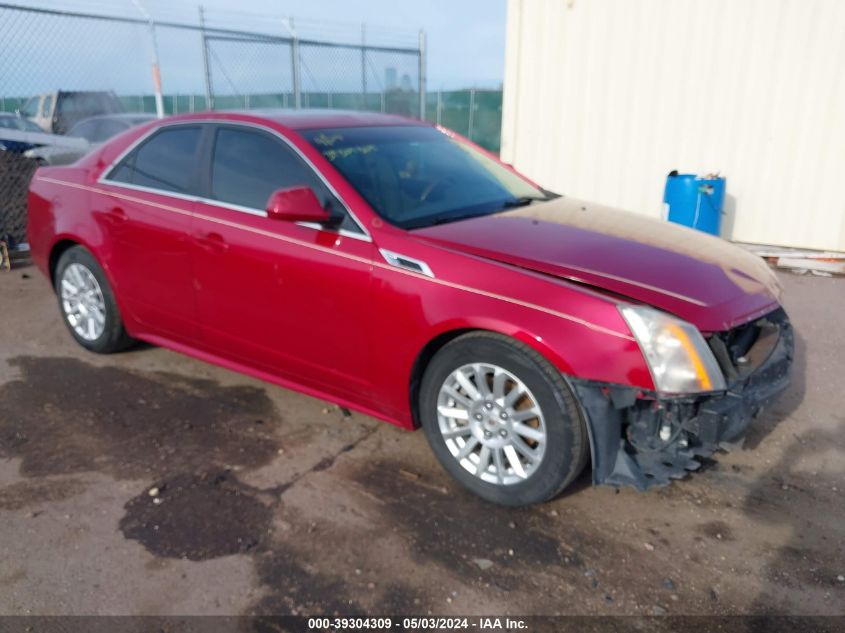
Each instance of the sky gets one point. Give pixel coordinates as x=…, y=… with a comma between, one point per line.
x=466, y=38
x=465, y=43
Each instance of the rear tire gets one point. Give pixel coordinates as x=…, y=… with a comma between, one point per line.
x=476, y=422
x=87, y=303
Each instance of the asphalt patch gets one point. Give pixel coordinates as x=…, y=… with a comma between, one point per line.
x=197, y=517
x=65, y=416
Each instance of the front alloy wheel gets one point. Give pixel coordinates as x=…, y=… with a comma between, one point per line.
x=491, y=423
x=501, y=419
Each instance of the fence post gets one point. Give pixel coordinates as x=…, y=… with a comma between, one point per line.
x=156, y=67
x=364, y=65
x=209, y=92
x=439, y=106
x=422, y=75
x=296, y=63
x=471, y=112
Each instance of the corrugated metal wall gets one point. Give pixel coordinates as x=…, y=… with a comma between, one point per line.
x=604, y=97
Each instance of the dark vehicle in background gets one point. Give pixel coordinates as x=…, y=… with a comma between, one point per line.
x=9, y=121
x=57, y=112
x=94, y=130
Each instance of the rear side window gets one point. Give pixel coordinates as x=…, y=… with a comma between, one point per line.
x=248, y=166
x=166, y=161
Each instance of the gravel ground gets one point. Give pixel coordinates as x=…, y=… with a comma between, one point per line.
x=150, y=483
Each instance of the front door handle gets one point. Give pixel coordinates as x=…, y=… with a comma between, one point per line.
x=212, y=242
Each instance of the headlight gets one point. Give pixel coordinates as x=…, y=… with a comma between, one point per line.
x=677, y=354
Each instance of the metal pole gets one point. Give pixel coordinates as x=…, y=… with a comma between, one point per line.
x=364, y=64
x=156, y=67
x=471, y=112
x=209, y=92
x=295, y=63
x=422, y=74
x=439, y=105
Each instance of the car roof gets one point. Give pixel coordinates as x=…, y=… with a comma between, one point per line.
x=118, y=116
x=305, y=119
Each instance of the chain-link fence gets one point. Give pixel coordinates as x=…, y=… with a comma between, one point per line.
x=59, y=67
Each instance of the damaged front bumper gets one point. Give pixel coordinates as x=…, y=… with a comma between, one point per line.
x=640, y=439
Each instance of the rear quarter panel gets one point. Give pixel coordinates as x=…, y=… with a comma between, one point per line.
x=57, y=211
x=59, y=207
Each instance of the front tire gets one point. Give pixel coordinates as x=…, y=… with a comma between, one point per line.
x=501, y=420
x=87, y=303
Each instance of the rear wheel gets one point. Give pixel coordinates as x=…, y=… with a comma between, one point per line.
x=87, y=303
x=501, y=420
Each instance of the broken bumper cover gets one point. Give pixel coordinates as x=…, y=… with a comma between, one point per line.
x=638, y=439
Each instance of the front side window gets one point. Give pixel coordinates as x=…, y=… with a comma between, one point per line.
x=416, y=176
x=166, y=161
x=249, y=165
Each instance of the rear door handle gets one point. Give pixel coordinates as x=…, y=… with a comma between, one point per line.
x=212, y=242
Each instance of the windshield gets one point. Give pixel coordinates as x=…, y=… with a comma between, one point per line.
x=417, y=176
x=17, y=123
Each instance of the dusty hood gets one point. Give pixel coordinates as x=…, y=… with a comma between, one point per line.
x=701, y=278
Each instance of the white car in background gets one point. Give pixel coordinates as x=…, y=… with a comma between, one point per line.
x=94, y=131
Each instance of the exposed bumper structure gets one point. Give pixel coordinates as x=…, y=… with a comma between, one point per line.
x=638, y=439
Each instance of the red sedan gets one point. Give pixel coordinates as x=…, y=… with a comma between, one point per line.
x=396, y=268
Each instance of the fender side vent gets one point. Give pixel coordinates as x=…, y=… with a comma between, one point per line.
x=406, y=263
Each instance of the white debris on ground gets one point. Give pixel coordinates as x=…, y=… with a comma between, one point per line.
x=801, y=261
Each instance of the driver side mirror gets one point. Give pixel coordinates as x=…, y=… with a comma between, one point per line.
x=296, y=204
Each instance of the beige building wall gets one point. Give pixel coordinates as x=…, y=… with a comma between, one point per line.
x=604, y=97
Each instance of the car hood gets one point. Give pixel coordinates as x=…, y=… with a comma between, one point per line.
x=698, y=277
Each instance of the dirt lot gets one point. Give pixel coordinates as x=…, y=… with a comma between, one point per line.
x=272, y=502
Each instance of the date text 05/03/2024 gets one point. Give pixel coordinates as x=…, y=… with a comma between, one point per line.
x=415, y=624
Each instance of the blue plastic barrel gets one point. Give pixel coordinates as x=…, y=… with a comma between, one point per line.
x=695, y=201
